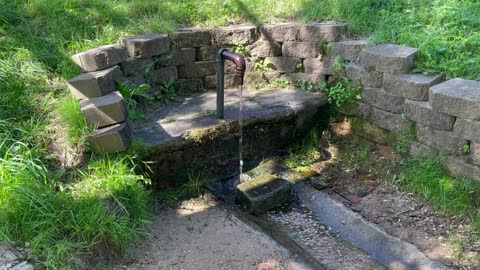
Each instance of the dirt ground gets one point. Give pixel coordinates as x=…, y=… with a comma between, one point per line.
x=201, y=234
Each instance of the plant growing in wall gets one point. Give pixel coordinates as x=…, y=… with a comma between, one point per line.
x=325, y=47
x=261, y=66
x=134, y=96
x=166, y=92
x=239, y=48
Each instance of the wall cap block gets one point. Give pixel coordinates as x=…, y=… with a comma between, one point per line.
x=100, y=58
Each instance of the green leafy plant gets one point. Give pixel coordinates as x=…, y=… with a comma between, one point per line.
x=466, y=148
x=310, y=86
x=325, y=47
x=281, y=82
x=239, y=48
x=299, y=66
x=339, y=94
x=134, y=96
x=257, y=85
x=261, y=66
x=166, y=91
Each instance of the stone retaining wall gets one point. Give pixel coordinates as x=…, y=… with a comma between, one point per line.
x=445, y=115
x=188, y=55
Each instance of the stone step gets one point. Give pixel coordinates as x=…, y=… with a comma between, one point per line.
x=111, y=139
x=95, y=84
x=146, y=45
x=457, y=97
x=104, y=111
x=411, y=86
x=100, y=58
x=389, y=58
x=350, y=50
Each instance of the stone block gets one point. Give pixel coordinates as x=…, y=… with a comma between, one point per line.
x=358, y=109
x=207, y=53
x=95, y=84
x=467, y=129
x=283, y=64
x=301, y=49
x=350, y=50
x=316, y=66
x=104, y=111
x=317, y=31
x=457, y=97
x=100, y=58
x=300, y=76
x=390, y=121
x=389, y=58
x=164, y=74
x=189, y=86
x=146, y=45
x=411, y=86
x=134, y=66
x=422, y=113
x=263, y=193
x=230, y=80
x=379, y=98
x=111, y=139
x=183, y=56
x=197, y=69
x=133, y=80
x=475, y=153
x=361, y=76
x=281, y=32
x=264, y=49
x=419, y=149
x=459, y=167
x=191, y=37
x=445, y=141
x=236, y=34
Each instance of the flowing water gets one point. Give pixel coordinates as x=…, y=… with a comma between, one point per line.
x=240, y=124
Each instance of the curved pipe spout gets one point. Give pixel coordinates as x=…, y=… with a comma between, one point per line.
x=241, y=66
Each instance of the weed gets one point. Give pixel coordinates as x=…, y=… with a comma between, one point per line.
x=193, y=186
x=261, y=66
x=257, y=85
x=166, y=91
x=306, y=152
x=280, y=82
x=134, y=96
x=239, y=48
x=466, y=149
x=299, y=67
x=325, y=47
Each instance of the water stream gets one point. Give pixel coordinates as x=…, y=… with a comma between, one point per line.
x=240, y=126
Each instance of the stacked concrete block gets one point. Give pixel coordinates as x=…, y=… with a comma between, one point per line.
x=315, y=32
x=95, y=84
x=100, y=58
x=388, y=58
x=146, y=45
x=411, y=86
x=237, y=34
x=349, y=50
x=104, y=111
x=114, y=138
x=281, y=32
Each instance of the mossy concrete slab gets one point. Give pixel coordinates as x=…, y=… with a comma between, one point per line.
x=263, y=193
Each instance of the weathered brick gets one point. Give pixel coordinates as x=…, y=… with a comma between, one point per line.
x=94, y=84
x=164, y=74
x=314, y=65
x=440, y=139
x=390, y=121
x=388, y=58
x=421, y=112
x=377, y=97
x=358, y=109
x=317, y=31
x=475, y=153
x=230, y=80
x=459, y=167
x=184, y=56
x=111, y=139
x=419, y=149
x=305, y=77
x=350, y=50
x=189, y=86
x=361, y=76
x=282, y=64
x=104, y=111
x=197, y=69
x=134, y=66
x=301, y=49
x=467, y=129
x=192, y=37
x=457, y=97
x=146, y=45
x=281, y=32
x=100, y=58
x=207, y=53
x=411, y=86
x=264, y=49
x=236, y=34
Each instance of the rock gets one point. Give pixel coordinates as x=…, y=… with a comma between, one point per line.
x=317, y=31
x=263, y=193
x=192, y=37
x=440, y=139
x=197, y=69
x=146, y=45
x=133, y=80
x=420, y=149
x=207, y=53
x=135, y=66
x=282, y=64
x=421, y=112
x=164, y=74
x=316, y=66
x=111, y=139
x=305, y=77
x=103, y=111
x=211, y=81
x=95, y=84
x=459, y=167
x=281, y=32
x=390, y=121
x=269, y=166
x=358, y=109
x=467, y=129
x=301, y=49
x=100, y=58
x=388, y=58
x=184, y=56
x=188, y=86
x=321, y=182
x=457, y=97
x=264, y=49
x=361, y=76
x=475, y=153
x=236, y=34
x=350, y=50
x=411, y=86
x=379, y=98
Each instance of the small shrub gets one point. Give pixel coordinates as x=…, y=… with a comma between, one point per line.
x=166, y=91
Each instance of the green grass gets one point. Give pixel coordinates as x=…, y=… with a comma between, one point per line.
x=305, y=152
x=72, y=117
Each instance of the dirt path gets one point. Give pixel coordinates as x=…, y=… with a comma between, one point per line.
x=201, y=234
